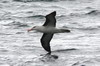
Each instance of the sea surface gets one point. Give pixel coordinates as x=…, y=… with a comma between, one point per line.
x=81, y=47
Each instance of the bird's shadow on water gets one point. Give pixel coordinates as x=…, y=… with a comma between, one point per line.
x=53, y=57
x=48, y=57
x=64, y=50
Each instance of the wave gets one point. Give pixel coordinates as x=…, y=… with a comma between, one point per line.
x=33, y=0
x=17, y=24
x=81, y=27
x=89, y=28
x=93, y=12
x=36, y=16
x=43, y=16
x=41, y=0
x=51, y=0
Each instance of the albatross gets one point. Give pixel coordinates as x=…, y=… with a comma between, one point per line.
x=48, y=29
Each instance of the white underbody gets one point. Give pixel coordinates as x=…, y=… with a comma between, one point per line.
x=48, y=29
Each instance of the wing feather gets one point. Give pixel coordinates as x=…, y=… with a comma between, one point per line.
x=45, y=41
x=50, y=19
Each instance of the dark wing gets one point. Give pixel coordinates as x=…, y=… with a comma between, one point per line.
x=45, y=41
x=50, y=19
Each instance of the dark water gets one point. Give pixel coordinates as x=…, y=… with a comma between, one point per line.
x=81, y=47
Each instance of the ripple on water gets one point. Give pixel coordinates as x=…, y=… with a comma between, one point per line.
x=4, y=65
x=18, y=24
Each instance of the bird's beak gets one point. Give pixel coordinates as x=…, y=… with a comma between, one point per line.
x=30, y=29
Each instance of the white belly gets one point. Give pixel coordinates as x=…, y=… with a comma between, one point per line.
x=47, y=29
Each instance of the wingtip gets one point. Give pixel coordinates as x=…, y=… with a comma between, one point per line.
x=52, y=13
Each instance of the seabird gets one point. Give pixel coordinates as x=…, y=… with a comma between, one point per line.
x=48, y=28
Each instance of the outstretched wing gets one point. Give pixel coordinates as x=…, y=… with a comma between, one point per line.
x=45, y=41
x=50, y=19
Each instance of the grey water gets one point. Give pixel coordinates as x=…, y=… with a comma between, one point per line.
x=81, y=47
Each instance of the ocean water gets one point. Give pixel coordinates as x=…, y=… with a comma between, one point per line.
x=81, y=47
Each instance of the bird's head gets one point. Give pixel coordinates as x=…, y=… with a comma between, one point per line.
x=33, y=28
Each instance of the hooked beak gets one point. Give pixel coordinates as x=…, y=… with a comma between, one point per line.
x=29, y=30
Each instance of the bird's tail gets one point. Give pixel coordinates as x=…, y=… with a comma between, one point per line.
x=65, y=30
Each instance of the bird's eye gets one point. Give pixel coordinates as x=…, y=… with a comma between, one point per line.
x=34, y=27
